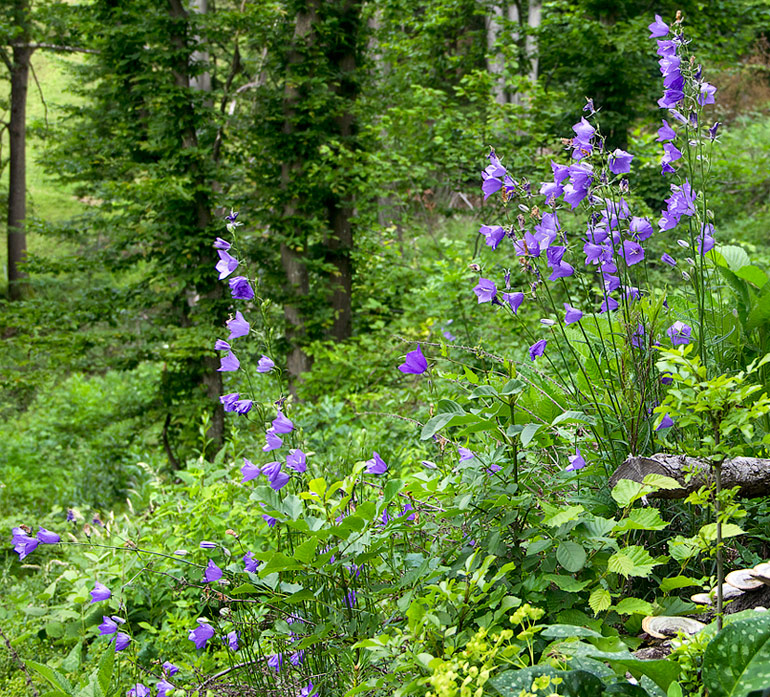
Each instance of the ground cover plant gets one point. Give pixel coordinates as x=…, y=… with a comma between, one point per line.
x=474, y=546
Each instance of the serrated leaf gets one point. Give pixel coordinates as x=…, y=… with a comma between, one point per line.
x=737, y=660
x=632, y=561
x=709, y=531
x=626, y=491
x=104, y=672
x=675, y=582
x=305, y=553
x=54, y=677
x=641, y=519
x=599, y=600
x=563, y=515
x=660, y=482
x=633, y=606
x=734, y=257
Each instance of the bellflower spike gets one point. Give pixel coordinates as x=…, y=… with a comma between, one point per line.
x=514, y=300
x=122, y=640
x=572, y=315
x=240, y=288
x=658, y=28
x=226, y=264
x=281, y=424
x=201, y=634
x=265, y=365
x=414, y=362
x=212, y=573
x=665, y=422
x=100, y=592
x=273, y=441
x=108, y=626
x=537, y=349
x=250, y=563
x=576, y=462
x=238, y=327
x=620, y=162
x=47, y=537
x=296, y=460
x=679, y=333
x=376, y=465
x=228, y=363
x=485, y=290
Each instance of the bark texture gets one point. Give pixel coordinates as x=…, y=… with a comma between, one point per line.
x=752, y=475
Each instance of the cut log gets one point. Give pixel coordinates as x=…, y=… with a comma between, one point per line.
x=751, y=474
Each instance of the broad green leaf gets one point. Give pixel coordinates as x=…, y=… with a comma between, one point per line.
x=752, y=274
x=563, y=515
x=571, y=556
x=670, y=584
x=447, y=406
x=626, y=491
x=513, y=387
x=565, y=631
x=573, y=683
x=737, y=661
x=734, y=257
x=632, y=561
x=641, y=519
x=104, y=672
x=576, y=416
x=305, y=553
x=709, y=531
x=599, y=600
x=528, y=433
x=759, y=314
x=660, y=482
x=483, y=391
x=633, y=606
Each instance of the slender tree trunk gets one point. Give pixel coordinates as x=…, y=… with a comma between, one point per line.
x=534, y=17
x=17, y=180
x=211, y=378
x=495, y=59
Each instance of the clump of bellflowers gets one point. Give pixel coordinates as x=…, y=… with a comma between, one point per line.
x=576, y=238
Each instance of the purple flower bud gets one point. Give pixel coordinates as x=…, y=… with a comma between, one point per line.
x=240, y=288
x=207, y=544
x=537, y=349
x=265, y=365
x=108, y=626
x=232, y=640
x=668, y=259
x=713, y=130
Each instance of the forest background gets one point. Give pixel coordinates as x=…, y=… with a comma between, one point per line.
x=349, y=136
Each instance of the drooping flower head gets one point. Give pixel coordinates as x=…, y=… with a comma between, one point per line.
x=576, y=462
x=537, y=349
x=665, y=422
x=272, y=441
x=47, y=537
x=620, y=161
x=414, y=363
x=201, y=634
x=265, y=365
x=100, y=592
x=679, y=333
x=296, y=460
x=122, y=640
x=229, y=363
x=485, y=290
x=238, y=326
x=658, y=28
x=226, y=264
x=572, y=314
x=240, y=288
x=250, y=563
x=212, y=572
x=281, y=424
x=376, y=465
x=138, y=690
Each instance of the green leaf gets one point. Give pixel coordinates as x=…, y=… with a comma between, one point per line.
x=574, y=683
x=55, y=678
x=571, y=556
x=104, y=672
x=626, y=491
x=513, y=387
x=565, y=631
x=670, y=584
x=562, y=515
x=737, y=661
x=599, y=600
x=752, y=274
x=633, y=606
x=447, y=406
x=483, y=391
x=709, y=531
x=576, y=416
x=660, y=482
x=759, y=315
x=641, y=519
x=305, y=553
x=528, y=433
x=632, y=561
x=734, y=257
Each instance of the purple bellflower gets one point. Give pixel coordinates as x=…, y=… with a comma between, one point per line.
x=658, y=28
x=296, y=460
x=221, y=345
x=620, y=162
x=537, y=349
x=465, y=454
x=668, y=259
x=308, y=691
x=281, y=424
x=229, y=363
x=576, y=462
x=170, y=668
x=240, y=288
x=665, y=422
x=665, y=132
x=376, y=465
x=272, y=441
x=238, y=327
x=250, y=563
x=100, y=592
x=485, y=290
x=414, y=362
x=229, y=401
x=493, y=234
x=163, y=687
x=219, y=243
x=514, y=300
x=108, y=626
x=23, y=544
x=679, y=333
x=265, y=365
x=232, y=640
x=275, y=662
x=122, y=640
x=212, y=573
x=201, y=634
x=572, y=314
x=138, y=690
x=226, y=264
x=47, y=537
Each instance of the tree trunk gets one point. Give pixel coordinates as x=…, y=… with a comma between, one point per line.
x=17, y=174
x=752, y=475
x=211, y=378
x=534, y=17
x=495, y=59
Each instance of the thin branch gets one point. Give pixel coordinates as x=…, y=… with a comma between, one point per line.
x=40, y=92
x=55, y=47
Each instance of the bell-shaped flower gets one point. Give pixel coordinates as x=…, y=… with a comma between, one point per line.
x=201, y=634
x=376, y=465
x=265, y=364
x=228, y=363
x=485, y=290
x=658, y=28
x=414, y=362
x=238, y=327
x=281, y=424
x=537, y=349
x=272, y=441
x=100, y=592
x=212, y=572
x=296, y=460
x=240, y=288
